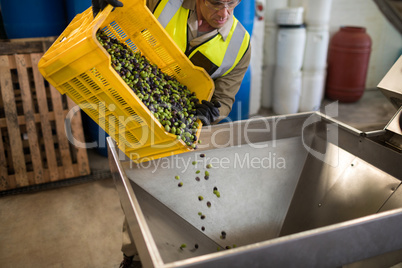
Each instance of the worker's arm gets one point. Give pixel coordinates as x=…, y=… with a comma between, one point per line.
x=226, y=87
x=151, y=4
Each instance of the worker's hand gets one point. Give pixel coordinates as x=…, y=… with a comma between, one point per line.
x=99, y=5
x=208, y=112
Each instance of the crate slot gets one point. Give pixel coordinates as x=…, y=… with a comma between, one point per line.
x=66, y=87
x=149, y=37
x=164, y=55
x=133, y=115
x=94, y=100
x=108, y=32
x=131, y=45
x=89, y=106
x=102, y=122
x=178, y=71
x=90, y=82
x=117, y=97
x=120, y=125
x=129, y=140
x=123, y=141
x=134, y=121
x=96, y=73
x=118, y=30
x=90, y=109
x=76, y=83
x=110, y=128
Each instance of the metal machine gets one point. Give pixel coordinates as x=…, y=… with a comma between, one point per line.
x=298, y=190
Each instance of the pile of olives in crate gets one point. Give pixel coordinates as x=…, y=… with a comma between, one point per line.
x=172, y=103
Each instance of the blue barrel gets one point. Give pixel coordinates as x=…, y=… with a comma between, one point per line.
x=3, y=34
x=241, y=106
x=33, y=18
x=75, y=7
x=245, y=13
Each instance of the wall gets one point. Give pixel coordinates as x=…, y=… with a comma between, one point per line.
x=387, y=41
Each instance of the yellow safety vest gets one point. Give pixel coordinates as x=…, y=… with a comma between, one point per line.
x=217, y=56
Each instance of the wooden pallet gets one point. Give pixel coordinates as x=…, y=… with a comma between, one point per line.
x=34, y=147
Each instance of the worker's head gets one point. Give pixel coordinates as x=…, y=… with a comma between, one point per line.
x=216, y=12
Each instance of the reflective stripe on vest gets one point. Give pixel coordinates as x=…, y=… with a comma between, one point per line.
x=224, y=54
x=235, y=43
x=170, y=9
x=167, y=11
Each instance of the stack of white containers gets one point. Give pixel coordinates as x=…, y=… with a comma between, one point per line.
x=290, y=46
x=316, y=17
x=295, y=55
x=269, y=51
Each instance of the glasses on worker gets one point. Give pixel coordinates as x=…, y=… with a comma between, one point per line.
x=219, y=5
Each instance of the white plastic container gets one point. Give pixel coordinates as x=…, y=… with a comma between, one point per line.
x=267, y=85
x=268, y=66
x=289, y=16
x=287, y=90
x=270, y=39
x=316, y=51
x=312, y=91
x=317, y=12
x=290, y=47
x=256, y=63
x=270, y=9
x=296, y=3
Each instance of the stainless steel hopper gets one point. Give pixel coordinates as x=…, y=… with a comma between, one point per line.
x=298, y=190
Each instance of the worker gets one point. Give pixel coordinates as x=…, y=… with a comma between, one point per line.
x=208, y=33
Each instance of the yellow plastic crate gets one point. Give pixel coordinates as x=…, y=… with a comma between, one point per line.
x=78, y=66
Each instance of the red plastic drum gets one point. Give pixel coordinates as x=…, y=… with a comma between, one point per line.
x=348, y=59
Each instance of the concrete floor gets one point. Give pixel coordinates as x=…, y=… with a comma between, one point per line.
x=74, y=226
x=80, y=225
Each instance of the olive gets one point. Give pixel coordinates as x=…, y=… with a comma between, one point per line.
x=223, y=235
